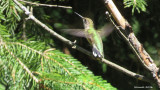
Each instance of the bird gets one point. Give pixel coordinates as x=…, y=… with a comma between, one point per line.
x=92, y=35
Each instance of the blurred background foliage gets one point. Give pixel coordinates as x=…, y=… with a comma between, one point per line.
x=143, y=18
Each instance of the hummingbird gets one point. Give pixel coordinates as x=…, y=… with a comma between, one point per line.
x=92, y=35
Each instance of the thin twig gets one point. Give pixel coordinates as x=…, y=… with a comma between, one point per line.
x=125, y=38
x=72, y=44
x=45, y=5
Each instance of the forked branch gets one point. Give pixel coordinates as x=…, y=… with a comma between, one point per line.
x=126, y=31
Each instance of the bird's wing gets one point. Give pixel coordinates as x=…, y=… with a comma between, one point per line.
x=74, y=32
x=106, y=30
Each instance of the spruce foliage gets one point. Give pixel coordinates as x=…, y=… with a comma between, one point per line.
x=138, y=5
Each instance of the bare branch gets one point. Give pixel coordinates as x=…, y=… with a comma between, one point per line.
x=72, y=44
x=127, y=72
x=45, y=5
x=126, y=31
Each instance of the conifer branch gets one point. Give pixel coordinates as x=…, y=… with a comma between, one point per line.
x=45, y=5
x=19, y=61
x=45, y=55
x=127, y=33
x=42, y=54
x=74, y=46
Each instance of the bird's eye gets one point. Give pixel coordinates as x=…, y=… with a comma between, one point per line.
x=85, y=20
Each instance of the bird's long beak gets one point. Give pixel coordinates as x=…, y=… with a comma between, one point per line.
x=79, y=15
